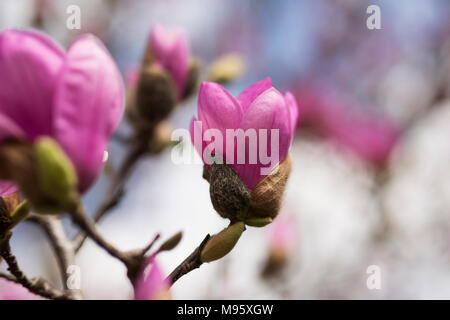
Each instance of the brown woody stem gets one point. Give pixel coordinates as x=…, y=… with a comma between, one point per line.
x=192, y=262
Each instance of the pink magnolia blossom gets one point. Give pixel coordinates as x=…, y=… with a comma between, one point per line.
x=151, y=283
x=170, y=50
x=13, y=291
x=329, y=113
x=260, y=106
x=76, y=97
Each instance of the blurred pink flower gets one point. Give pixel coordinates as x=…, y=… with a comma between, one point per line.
x=170, y=50
x=13, y=291
x=260, y=106
x=75, y=97
x=329, y=114
x=151, y=283
x=284, y=234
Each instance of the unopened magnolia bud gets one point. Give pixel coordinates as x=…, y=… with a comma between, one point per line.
x=267, y=195
x=229, y=196
x=222, y=243
x=172, y=242
x=155, y=95
x=56, y=175
x=192, y=79
x=276, y=260
x=226, y=68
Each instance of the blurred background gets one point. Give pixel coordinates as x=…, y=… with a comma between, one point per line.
x=371, y=157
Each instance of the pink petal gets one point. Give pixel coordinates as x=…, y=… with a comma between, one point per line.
x=150, y=282
x=7, y=188
x=261, y=113
x=13, y=291
x=9, y=128
x=268, y=111
x=217, y=108
x=251, y=93
x=292, y=106
x=162, y=42
x=30, y=63
x=89, y=102
x=178, y=64
x=284, y=233
x=198, y=142
x=171, y=51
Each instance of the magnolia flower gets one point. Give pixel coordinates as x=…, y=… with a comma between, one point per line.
x=251, y=184
x=151, y=284
x=170, y=50
x=14, y=291
x=76, y=97
x=261, y=106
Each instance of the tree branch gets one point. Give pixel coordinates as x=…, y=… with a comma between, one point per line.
x=132, y=259
x=114, y=194
x=37, y=286
x=62, y=247
x=192, y=262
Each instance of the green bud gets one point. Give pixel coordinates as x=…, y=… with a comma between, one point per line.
x=226, y=68
x=222, y=243
x=258, y=222
x=56, y=176
x=172, y=242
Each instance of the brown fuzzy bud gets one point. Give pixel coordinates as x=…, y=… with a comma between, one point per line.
x=192, y=78
x=229, y=196
x=267, y=195
x=233, y=200
x=222, y=243
x=155, y=96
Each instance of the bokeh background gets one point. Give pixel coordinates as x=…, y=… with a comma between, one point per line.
x=371, y=157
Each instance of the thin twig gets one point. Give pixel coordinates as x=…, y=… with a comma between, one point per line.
x=110, y=202
x=62, y=247
x=8, y=277
x=192, y=262
x=133, y=259
x=37, y=286
x=114, y=194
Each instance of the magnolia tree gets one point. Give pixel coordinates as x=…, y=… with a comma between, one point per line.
x=58, y=110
